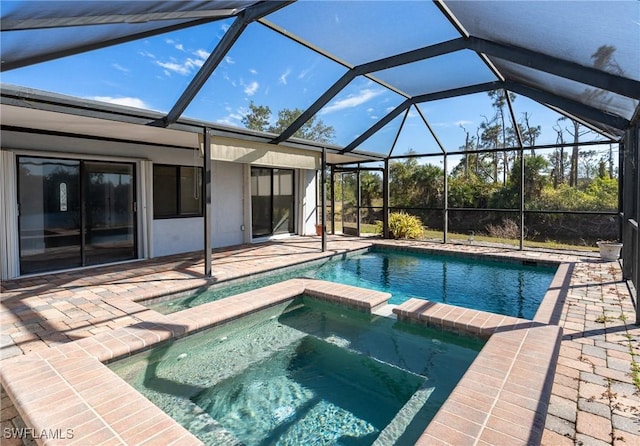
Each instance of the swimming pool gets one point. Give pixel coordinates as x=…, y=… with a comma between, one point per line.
x=507, y=288
x=306, y=372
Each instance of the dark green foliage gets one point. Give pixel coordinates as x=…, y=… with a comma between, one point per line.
x=259, y=118
x=415, y=185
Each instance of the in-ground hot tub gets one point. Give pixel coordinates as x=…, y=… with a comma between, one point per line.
x=301, y=371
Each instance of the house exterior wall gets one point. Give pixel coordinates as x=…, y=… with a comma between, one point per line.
x=308, y=199
x=227, y=211
x=230, y=219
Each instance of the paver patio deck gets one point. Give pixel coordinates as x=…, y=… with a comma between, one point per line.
x=594, y=400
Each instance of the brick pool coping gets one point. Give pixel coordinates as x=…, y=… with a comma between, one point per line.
x=503, y=396
x=82, y=396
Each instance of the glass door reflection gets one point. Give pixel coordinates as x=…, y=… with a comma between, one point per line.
x=109, y=225
x=49, y=214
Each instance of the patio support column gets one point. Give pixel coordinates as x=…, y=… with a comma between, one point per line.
x=522, y=176
x=323, y=180
x=629, y=203
x=385, y=199
x=206, y=185
x=522, y=179
x=445, y=215
x=333, y=200
x=634, y=255
x=358, y=200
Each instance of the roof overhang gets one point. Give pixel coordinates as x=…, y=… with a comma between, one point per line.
x=36, y=112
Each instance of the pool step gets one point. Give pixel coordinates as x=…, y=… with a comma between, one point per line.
x=209, y=430
x=385, y=311
x=405, y=416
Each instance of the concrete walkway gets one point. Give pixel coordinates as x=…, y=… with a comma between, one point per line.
x=594, y=399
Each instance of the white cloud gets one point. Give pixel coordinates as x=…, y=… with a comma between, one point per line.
x=370, y=110
x=186, y=67
x=251, y=88
x=175, y=44
x=147, y=54
x=229, y=60
x=233, y=117
x=119, y=67
x=180, y=68
x=128, y=101
x=202, y=54
x=452, y=124
x=308, y=72
x=352, y=101
x=253, y=71
x=196, y=62
x=283, y=76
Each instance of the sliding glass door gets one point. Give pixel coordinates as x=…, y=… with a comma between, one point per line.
x=109, y=212
x=272, y=201
x=49, y=214
x=282, y=213
x=74, y=213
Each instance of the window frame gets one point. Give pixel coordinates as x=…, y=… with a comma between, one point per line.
x=177, y=169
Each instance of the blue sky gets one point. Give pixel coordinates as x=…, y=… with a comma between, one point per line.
x=269, y=69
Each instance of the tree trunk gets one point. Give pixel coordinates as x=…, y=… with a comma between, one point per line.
x=573, y=175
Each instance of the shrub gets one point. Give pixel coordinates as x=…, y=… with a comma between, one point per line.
x=402, y=225
x=508, y=229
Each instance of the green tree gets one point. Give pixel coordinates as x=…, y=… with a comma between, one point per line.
x=530, y=133
x=370, y=188
x=259, y=118
x=412, y=184
x=508, y=197
x=470, y=192
x=496, y=132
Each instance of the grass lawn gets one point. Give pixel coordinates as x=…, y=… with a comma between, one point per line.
x=430, y=234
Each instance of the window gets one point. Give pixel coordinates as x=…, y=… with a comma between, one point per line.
x=177, y=191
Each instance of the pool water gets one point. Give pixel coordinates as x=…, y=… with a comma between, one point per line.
x=511, y=289
x=309, y=372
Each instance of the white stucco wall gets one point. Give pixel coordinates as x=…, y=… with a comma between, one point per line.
x=227, y=204
x=177, y=235
x=308, y=200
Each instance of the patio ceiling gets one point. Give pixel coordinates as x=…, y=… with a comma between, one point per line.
x=581, y=59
